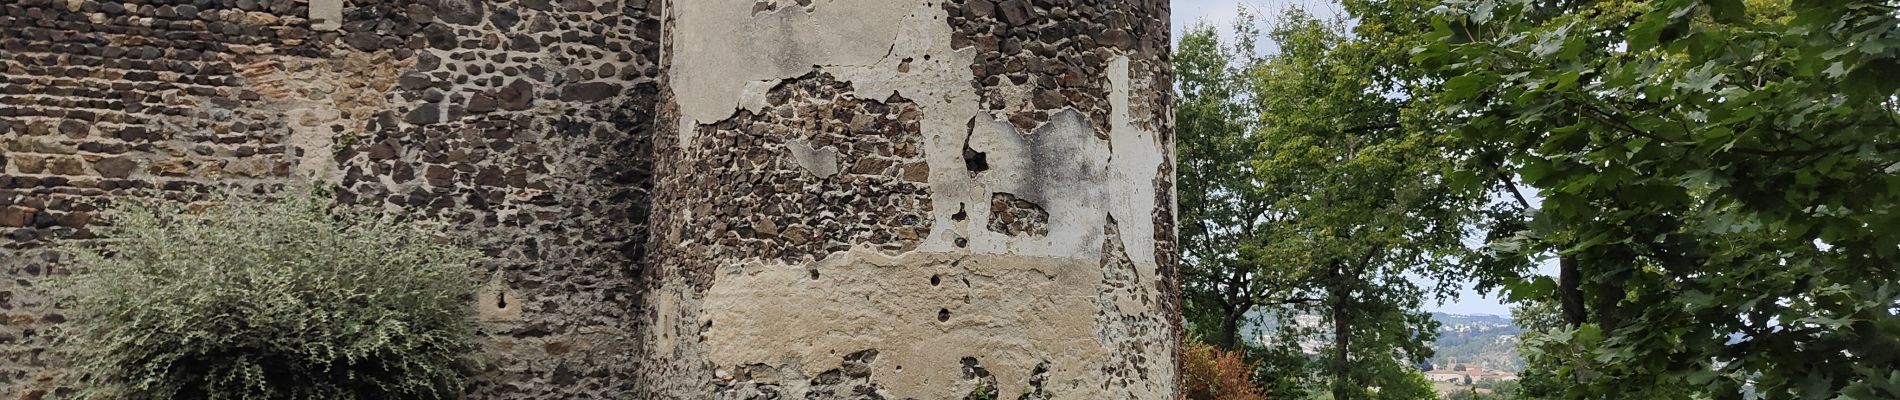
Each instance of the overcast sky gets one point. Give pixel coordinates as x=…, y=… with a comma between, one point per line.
x=1221, y=13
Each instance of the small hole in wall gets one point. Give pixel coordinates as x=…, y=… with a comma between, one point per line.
x=961, y=214
x=943, y=315
x=814, y=274
x=936, y=280
x=961, y=242
x=975, y=161
x=501, y=299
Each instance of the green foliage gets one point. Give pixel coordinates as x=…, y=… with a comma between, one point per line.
x=237, y=298
x=1311, y=187
x=1359, y=206
x=1486, y=390
x=1722, y=173
x=1286, y=372
x=981, y=392
x=1220, y=208
x=1538, y=380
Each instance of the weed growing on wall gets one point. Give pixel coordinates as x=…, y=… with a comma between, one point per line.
x=237, y=298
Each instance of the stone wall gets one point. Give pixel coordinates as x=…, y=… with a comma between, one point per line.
x=524, y=123
x=846, y=199
x=913, y=200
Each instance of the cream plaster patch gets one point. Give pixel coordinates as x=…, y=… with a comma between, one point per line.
x=1009, y=312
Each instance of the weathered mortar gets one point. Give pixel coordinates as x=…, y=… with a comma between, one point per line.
x=1047, y=267
x=848, y=198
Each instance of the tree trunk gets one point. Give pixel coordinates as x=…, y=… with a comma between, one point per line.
x=1570, y=290
x=1342, y=341
x=1228, y=337
x=1604, y=308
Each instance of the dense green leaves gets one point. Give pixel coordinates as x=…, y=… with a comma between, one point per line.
x=243, y=299
x=1723, y=173
x=1317, y=193
x=1220, y=210
x=1361, y=204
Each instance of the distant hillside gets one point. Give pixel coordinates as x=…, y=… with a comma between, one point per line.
x=1487, y=340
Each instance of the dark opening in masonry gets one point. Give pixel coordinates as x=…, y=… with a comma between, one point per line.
x=975, y=161
x=943, y=315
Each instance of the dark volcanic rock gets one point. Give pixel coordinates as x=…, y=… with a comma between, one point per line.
x=590, y=91
x=517, y=96
x=460, y=12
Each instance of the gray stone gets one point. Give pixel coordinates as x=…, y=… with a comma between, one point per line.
x=589, y=91
x=1015, y=12
x=115, y=167
x=460, y=12
x=517, y=96
x=482, y=103
x=427, y=113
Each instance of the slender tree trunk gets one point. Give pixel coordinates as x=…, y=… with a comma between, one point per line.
x=1570, y=290
x=1342, y=339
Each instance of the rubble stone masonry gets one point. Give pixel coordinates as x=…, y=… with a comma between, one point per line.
x=679, y=199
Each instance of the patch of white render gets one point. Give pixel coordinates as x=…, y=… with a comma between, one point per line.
x=1015, y=301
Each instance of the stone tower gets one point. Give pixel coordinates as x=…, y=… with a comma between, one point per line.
x=679, y=199
x=913, y=198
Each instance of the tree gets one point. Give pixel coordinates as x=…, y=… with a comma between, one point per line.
x=1220, y=210
x=1719, y=182
x=1359, y=206
x=1538, y=318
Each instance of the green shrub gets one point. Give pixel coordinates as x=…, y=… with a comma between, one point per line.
x=237, y=298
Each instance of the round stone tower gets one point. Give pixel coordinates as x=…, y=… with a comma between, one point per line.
x=912, y=199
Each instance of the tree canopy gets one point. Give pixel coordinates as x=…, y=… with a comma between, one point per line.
x=1716, y=181
x=1721, y=174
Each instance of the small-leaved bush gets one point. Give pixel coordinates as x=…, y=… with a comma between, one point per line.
x=239, y=298
x=1211, y=374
